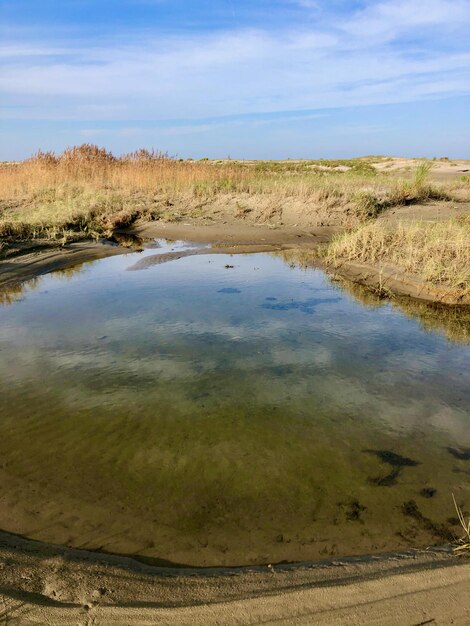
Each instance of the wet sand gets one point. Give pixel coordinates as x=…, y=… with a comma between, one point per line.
x=241, y=239
x=235, y=232
x=27, y=261
x=47, y=584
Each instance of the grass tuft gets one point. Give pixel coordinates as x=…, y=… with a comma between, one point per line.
x=369, y=204
x=438, y=252
x=463, y=545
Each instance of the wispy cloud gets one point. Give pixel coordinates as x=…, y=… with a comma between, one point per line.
x=391, y=19
x=384, y=52
x=235, y=72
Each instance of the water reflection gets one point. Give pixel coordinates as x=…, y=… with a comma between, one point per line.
x=13, y=293
x=452, y=321
x=207, y=416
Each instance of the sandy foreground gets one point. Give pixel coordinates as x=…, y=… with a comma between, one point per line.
x=46, y=584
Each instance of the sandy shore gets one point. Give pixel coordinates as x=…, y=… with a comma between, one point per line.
x=27, y=261
x=46, y=584
x=241, y=239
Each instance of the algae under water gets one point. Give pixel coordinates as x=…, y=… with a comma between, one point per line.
x=218, y=410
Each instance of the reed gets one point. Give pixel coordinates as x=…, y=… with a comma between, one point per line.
x=86, y=191
x=437, y=251
x=463, y=544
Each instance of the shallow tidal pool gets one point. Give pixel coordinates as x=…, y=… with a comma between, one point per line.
x=226, y=410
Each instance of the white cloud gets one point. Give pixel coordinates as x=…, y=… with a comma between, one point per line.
x=350, y=62
x=391, y=18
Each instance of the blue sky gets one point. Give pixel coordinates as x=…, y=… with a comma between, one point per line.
x=217, y=78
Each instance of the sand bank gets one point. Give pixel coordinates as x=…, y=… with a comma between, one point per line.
x=26, y=261
x=46, y=584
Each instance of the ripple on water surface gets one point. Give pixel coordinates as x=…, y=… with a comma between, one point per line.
x=219, y=409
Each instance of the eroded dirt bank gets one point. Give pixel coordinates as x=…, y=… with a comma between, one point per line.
x=387, y=281
x=46, y=584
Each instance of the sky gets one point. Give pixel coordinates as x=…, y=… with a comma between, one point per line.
x=263, y=79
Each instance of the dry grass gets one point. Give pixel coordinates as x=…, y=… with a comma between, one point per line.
x=463, y=544
x=439, y=252
x=403, y=193
x=86, y=191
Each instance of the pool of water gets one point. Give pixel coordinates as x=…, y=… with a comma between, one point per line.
x=221, y=409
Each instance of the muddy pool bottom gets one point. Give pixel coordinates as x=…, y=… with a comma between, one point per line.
x=227, y=410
